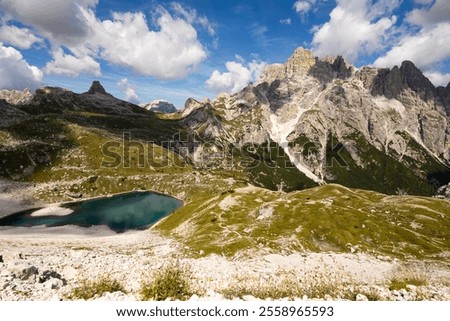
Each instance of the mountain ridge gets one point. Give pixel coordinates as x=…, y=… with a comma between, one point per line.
x=306, y=122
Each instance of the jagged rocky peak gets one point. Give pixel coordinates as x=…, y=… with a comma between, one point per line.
x=392, y=82
x=444, y=94
x=303, y=62
x=16, y=97
x=190, y=105
x=160, y=106
x=300, y=62
x=48, y=90
x=97, y=88
x=415, y=78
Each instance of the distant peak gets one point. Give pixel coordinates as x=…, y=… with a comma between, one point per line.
x=97, y=88
x=302, y=57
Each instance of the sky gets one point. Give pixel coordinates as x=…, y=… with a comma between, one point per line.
x=143, y=50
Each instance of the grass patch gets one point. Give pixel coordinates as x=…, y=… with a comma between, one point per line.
x=172, y=281
x=89, y=289
x=287, y=284
x=325, y=218
x=407, y=277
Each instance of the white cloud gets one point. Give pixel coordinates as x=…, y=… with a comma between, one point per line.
x=259, y=33
x=16, y=72
x=355, y=28
x=236, y=77
x=21, y=38
x=129, y=91
x=286, y=21
x=171, y=51
x=239, y=58
x=302, y=7
x=425, y=48
x=192, y=17
x=69, y=65
x=438, y=78
x=59, y=21
x=428, y=47
x=428, y=17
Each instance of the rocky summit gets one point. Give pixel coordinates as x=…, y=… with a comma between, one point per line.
x=337, y=123
x=160, y=106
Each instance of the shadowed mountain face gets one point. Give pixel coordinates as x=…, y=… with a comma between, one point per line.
x=379, y=129
x=306, y=122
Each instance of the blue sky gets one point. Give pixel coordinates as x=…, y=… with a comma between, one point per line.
x=143, y=50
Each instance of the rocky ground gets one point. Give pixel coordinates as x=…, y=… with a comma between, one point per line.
x=46, y=264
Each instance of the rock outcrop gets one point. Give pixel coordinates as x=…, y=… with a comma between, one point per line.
x=97, y=88
x=10, y=114
x=334, y=121
x=160, y=106
x=16, y=97
x=96, y=99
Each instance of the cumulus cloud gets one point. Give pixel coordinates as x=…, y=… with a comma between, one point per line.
x=69, y=65
x=129, y=91
x=438, y=78
x=438, y=13
x=21, y=38
x=302, y=7
x=59, y=21
x=425, y=48
x=236, y=77
x=170, y=51
x=428, y=47
x=355, y=28
x=16, y=72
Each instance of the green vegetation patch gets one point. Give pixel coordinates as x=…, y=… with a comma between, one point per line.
x=173, y=281
x=325, y=218
x=89, y=289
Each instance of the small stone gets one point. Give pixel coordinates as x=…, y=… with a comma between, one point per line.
x=49, y=274
x=395, y=293
x=194, y=298
x=248, y=297
x=411, y=288
x=361, y=297
x=24, y=271
x=53, y=284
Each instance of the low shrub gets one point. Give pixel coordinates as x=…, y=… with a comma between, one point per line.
x=89, y=289
x=172, y=281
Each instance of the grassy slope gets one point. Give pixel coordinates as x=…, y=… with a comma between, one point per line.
x=222, y=215
x=325, y=218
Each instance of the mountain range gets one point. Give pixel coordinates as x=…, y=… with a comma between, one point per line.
x=303, y=123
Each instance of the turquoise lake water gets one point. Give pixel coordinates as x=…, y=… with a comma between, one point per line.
x=136, y=210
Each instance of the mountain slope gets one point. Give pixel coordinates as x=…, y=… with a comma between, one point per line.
x=379, y=129
x=304, y=123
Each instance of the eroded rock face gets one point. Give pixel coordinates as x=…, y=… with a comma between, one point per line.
x=16, y=97
x=9, y=114
x=97, y=88
x=393, y=112
x=160, y=106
